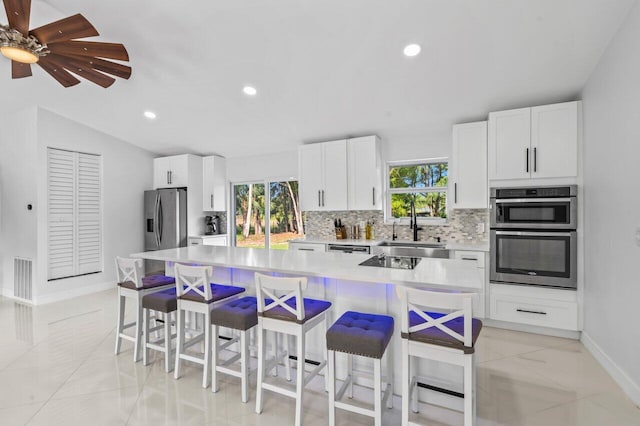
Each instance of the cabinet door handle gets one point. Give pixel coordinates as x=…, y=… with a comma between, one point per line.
x=373, y=200
x=319, y=204
x=171, y=177
x=526, y=163
x=531, y=312
x=455, y=193
x=535, y=160
x=168, y=179
x=469, y=258
x=323, y=198
x=211, y=200
x=305, y=249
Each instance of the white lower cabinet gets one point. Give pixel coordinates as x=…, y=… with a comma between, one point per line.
x=302, y=246
x=209, y=240
x=544, y=307
x=478, y=258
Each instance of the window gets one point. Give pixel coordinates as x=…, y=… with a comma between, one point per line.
x=74, y=213
x=267, y=218
x=421, y=182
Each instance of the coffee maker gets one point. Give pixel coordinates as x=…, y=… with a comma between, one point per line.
x=211, y=225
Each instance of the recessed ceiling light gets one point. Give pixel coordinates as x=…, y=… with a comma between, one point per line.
x=249, y=90
x=150, y=115
x=412, y=49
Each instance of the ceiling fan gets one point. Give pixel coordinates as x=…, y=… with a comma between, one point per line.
x=56, y=49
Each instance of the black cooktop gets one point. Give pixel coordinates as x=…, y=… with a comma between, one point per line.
x=395, y=262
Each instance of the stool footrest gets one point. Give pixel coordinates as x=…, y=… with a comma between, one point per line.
x=355, y=408
x=127, y=337
x=278, y=389
x=313, y=373
x=192, y=358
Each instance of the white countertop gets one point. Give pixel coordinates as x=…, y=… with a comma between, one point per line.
x=440, y=274
x=451, y=245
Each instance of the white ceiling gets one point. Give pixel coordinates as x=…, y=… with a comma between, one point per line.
x=323, y=69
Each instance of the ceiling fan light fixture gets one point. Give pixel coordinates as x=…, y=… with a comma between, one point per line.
x=19, y=54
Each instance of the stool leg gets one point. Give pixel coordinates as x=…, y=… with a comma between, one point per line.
x=287, y=358
x=406, y=381
x=377, y=388
x=179, y=341
x=261, y=360
x=331, y=373
x=244, y=365
x=214, y=360
x=120, y=322
x=389, y=356
x=139, y=321
x=350, y=375
x=414, y=390
x=326, y=353
x=300, y=376
x=207, y=349
x=145, y=337
x=167, y=342
x=276, y=342
x=468, y=391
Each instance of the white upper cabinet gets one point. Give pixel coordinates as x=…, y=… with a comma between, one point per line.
x=171, y=172
x=554, y=140
x=509, y=144
x=468, y=167
x=214, y=183
x=323, y=176
x=538, y=142
x=364, y=173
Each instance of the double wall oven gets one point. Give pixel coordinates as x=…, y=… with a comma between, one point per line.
x=533, y=236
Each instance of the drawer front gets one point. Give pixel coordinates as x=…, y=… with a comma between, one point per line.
x=195, y=241
x=217, y=241
x=540, y=312
x=307, y=247
x=470, y=256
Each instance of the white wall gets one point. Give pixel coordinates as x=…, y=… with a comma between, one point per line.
x=127, y=172
x=612, y=207
x=18, y=235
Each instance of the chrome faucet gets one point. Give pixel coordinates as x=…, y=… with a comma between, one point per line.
x=394, y=236
x=413, y=222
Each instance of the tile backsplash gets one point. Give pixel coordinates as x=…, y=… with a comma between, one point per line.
x=462, y=226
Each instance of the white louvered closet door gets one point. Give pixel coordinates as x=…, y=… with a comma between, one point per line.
x=74, y=213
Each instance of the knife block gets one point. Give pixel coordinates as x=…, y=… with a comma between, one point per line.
x=341, y=233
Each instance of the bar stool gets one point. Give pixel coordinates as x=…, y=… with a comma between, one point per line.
x=242, y=315
x=367, y=335
x=448, y=338
x=290, y=314
x=195, y=293
x=166, y=303
x=132, y=284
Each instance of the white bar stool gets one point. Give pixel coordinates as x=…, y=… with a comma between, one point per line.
x=133, y=285
x=366, y=335
x=195, y=293
x=443, y=337
x=290, y=314
x=166, y=303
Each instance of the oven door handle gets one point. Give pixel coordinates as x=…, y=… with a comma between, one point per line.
x=536, y=234
x=533, y=200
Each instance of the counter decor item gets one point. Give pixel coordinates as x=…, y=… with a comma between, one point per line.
x=341, y=230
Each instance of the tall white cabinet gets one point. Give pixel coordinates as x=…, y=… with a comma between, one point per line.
x=364, y=173
x=214, y=183
x=323, y=176
x=538, y=142
x=468, y=167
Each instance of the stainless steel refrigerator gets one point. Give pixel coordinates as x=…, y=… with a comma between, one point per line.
x=165, y=213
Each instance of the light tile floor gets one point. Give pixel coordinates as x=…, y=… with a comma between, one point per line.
x=57, y=368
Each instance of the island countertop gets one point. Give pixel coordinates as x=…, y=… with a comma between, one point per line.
x=435, y=274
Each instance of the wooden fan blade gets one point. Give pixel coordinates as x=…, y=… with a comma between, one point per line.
x=75, y=26
x=20, y=70
x=107, y=67
x=94, y=49
x=57, y=71
x=18, y=14
x=83, y=70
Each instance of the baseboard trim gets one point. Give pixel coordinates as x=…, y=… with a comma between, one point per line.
x=8, y=293
x=631, y=388
x=548, y=331
x=76, y=292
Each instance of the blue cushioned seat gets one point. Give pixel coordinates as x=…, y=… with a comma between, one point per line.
x=161, y=301
x=435, y=336
x=361, y=334
x=239, y=314
x=312, y=308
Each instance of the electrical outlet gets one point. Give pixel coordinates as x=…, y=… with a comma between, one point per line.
x=480, y=228
x=638, y=236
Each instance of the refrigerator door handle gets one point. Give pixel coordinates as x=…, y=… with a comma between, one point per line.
x=156, y=219
x=160, y=220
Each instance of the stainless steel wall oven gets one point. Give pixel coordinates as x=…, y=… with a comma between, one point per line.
x=533, y=236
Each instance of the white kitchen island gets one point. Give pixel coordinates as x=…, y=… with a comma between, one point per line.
x=338, y=278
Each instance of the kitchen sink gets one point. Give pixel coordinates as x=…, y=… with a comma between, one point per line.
x=412, y=249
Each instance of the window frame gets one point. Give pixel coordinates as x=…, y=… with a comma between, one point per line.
x=428, y=221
